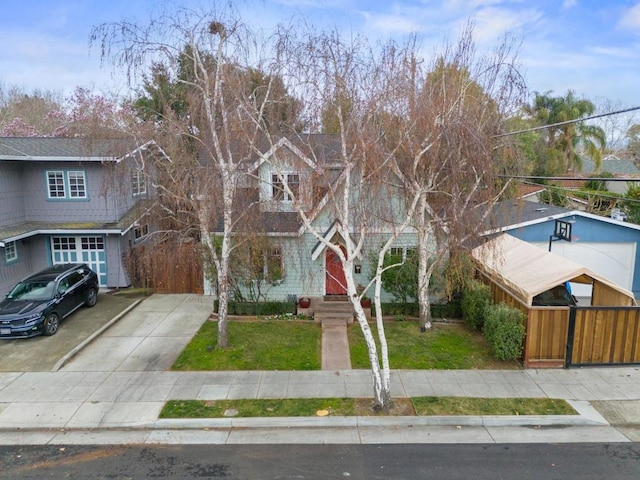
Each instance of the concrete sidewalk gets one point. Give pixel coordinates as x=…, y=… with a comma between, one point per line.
x=113, y=390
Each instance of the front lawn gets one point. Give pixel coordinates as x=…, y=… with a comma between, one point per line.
x=255, y=345
x=447, y=346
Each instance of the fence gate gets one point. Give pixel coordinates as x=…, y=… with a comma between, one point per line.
x=603, y=336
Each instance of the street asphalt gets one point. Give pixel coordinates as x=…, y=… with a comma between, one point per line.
x=110, y=387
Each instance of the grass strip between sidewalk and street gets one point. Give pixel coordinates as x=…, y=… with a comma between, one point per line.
x=421, y=406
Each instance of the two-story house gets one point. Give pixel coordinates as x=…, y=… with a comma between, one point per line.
x=72, y=200
x=295, y=263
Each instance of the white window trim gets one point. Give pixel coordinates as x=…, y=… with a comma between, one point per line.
x=138, y=183
x=57, y=173
x=77, y=174
x=283, y=178
x=402, y=249
x=140, y=232
x=66, y=184
x=10, y=252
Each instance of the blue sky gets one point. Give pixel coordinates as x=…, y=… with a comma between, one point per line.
x=589, y=46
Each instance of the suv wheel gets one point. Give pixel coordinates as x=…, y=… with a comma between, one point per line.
x=51, y=324
x=92, y=297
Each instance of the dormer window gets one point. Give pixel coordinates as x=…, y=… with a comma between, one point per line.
x=278, y=189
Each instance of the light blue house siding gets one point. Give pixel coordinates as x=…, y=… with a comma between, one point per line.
x=589, y=230
x=305, y=276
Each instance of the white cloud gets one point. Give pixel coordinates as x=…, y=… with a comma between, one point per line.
x=631, y=18
x=492, y=23
x=392, y=24
x=567, y=4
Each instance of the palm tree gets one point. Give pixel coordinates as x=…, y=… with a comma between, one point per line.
x=570, y=139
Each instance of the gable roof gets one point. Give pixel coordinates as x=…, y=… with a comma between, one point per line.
x=527, y=270
x=57, y=149
x=511, y=214
x=314, y=149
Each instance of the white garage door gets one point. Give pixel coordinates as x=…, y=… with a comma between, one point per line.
x=89, y=250
x=614, y=261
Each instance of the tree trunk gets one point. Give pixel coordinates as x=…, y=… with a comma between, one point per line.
x=223, y=305
x=381, y=376
x=423, y=268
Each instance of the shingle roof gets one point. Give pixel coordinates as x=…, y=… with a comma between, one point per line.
x=513, y=212
x=611, y=164
x=57, y=148
x=27, y=229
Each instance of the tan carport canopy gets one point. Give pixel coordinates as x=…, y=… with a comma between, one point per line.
x=526, y=271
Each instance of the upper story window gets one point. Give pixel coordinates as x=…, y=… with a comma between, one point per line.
x=140, y=231
x=56, y=184
x=76, y=185
x=138, y=183
x=71, y=184
x=278, y=189
x=10, y=252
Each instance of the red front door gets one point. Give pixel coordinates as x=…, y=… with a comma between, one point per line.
x=336, y=284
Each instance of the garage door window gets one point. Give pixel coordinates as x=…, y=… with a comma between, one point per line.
x=89, y=250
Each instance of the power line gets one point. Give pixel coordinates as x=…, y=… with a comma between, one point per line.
x=567, y=122
x=583, y=179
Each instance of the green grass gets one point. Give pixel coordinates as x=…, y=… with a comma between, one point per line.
x=422, y=406
x=491, y=406
x=255, y=345
x=287, y=407
x=444, y=347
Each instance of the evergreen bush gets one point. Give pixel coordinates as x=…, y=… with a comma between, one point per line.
x=259, y=308
x=504, y=330
x=475, y=299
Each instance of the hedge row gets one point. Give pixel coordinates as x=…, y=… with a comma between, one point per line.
x=448, y=310
x=259, y=308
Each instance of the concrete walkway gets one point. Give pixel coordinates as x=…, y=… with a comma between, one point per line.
x=113, y=390
x=334, y=316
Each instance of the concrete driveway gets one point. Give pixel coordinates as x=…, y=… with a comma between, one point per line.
x=40, y=354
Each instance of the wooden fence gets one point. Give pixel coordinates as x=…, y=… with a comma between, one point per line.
x=603, y=336
x=168, y=267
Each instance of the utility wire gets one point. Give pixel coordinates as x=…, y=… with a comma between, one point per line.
x=567, y=122
x=582, y=179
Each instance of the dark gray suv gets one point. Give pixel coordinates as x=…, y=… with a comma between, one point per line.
x=36, y=305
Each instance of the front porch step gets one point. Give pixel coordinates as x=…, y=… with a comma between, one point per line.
x=335, y=298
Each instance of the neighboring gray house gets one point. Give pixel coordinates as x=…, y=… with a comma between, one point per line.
x=71, y=200
x=606, y=246
x=619, y=167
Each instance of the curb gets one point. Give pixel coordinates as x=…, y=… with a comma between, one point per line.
x=292, y=423
x=65, y=359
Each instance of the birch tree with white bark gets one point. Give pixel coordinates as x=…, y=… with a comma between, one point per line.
x=214, y=129
x=349, y=89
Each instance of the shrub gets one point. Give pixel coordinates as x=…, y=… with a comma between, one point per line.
x=475, y=300
x=504, y=330
x=448, y=310
x=400, y=309
x=259, y=308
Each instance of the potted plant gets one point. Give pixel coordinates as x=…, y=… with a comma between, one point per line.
x=304, y=302
x=365, y=301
